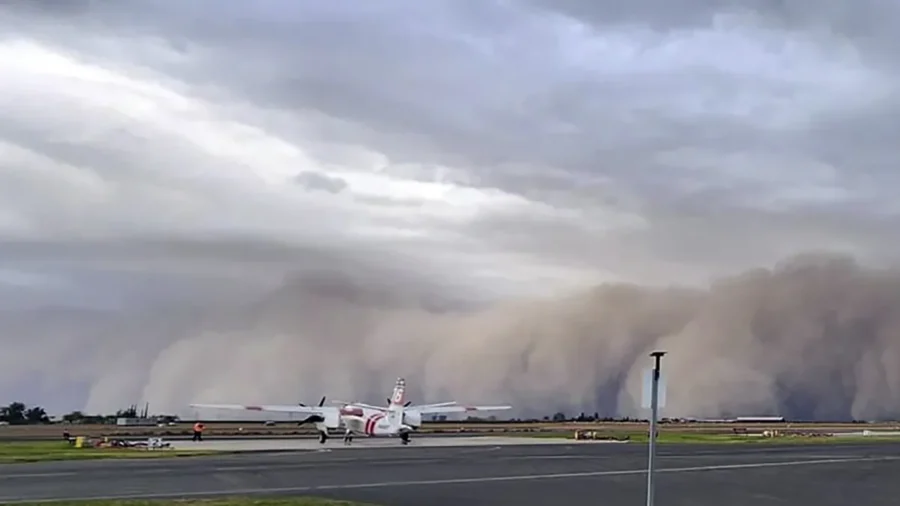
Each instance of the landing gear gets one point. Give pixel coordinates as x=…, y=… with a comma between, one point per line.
x=348, y=437
x=323, y=436
x=404, y=438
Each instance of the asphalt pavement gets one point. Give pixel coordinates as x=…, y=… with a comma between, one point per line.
x=491, y=475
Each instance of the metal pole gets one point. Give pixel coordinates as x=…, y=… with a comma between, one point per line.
x=654, y=414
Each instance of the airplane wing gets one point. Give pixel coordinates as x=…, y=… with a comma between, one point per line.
x=276, y=408
x=452, y=407
x=437, y=405
x=361, y=404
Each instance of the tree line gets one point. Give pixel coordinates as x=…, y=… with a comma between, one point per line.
x=18, y=413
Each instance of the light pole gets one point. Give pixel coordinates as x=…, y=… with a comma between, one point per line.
x=654, y=413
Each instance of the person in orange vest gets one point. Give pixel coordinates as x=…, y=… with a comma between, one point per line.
x=198, y=432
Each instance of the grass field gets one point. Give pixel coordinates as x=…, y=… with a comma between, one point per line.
x=20, y=451
x=724, y=438
x=257, y=429
x=231, y=501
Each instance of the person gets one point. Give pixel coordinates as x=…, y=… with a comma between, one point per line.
x=198, y=432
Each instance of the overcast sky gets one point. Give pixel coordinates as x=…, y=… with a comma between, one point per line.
x=173, y=158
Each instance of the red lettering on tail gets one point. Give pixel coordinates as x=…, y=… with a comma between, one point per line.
x=399, y=391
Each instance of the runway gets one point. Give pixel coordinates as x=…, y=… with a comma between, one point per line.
x=362, y=443
x=521, y=475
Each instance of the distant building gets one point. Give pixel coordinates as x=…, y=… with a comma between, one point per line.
x=759, y=419
x=136, y=422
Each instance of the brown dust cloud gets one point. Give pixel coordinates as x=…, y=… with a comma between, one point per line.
x=814, y=337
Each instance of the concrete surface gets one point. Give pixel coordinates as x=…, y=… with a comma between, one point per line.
x=868, y=433
x=336, y=443
x=521, y=475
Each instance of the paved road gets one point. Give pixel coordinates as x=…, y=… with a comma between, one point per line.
x=824, y=475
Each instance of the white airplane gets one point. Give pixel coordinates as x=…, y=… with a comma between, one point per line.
x=398, y=419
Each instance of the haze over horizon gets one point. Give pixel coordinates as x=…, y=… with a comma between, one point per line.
x=503, y=201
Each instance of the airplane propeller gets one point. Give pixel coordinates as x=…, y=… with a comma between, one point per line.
x=321, y=402
x=405, y=405
x=312, y=418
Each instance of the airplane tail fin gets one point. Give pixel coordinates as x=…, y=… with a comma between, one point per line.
x=398, y=397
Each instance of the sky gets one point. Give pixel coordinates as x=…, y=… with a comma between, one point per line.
x=502, y=200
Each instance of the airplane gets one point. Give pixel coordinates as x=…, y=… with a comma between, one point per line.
x=399, y=419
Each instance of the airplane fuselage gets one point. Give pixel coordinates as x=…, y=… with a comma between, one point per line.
x=368, y=422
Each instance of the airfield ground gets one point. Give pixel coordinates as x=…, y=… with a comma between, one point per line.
x=259, y=430
x=436, y=472
x=41, y=451
x=230, y=501
x=43, y=443
x=251, y=445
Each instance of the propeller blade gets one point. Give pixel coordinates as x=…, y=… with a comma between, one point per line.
x=388, y=400
x=407, y=404
x=322, y=402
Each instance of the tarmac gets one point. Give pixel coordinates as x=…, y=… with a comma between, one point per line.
x=336, y=443
x=489, y=471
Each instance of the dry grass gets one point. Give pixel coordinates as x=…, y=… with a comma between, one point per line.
x=25, y=451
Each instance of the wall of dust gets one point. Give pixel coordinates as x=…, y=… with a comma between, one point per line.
x=814, y=337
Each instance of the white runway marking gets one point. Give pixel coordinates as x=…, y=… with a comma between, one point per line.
x=454, y=481
x=36, y=475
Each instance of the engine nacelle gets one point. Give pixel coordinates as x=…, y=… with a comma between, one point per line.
x=332, y=419
x=413, y=419
x=327, y=420
x=311, y=419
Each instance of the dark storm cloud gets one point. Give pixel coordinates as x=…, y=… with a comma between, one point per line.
x=158, y=162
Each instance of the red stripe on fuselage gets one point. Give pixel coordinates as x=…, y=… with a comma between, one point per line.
x=371, y=422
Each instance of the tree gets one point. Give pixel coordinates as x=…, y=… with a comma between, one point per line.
x=74, y=417
x=131, y=412
x=14, y=414
x=36, y=415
